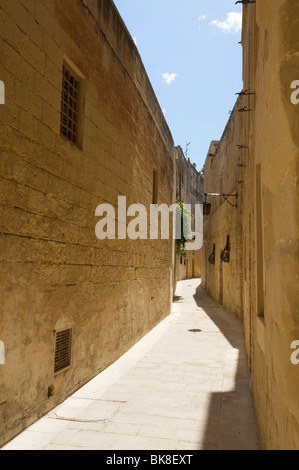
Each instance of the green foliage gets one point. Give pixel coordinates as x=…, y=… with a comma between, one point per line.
x=186, y=231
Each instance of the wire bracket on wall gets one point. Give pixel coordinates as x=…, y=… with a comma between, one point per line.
x=225, y=255
x=241, y=165
x=212, y=257
x=245, y=2
x=243, y=147
x=241, y=110
x=207, y=206
x=244, y=110
x=245, y=93
x=225, y=198
x=240, y=182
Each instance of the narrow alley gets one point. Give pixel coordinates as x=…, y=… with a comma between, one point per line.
x=184, y=386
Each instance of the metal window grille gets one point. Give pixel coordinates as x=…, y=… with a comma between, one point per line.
x=155, y=186
x=63, y=350
x=69, y=106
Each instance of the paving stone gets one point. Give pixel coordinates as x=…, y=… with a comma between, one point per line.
x=174, y=390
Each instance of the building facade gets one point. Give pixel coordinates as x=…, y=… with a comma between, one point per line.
x=80, y=127
x=222, y=247
x=258, y=158
x=189, y=190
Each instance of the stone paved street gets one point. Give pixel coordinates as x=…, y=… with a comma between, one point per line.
x=185, y=386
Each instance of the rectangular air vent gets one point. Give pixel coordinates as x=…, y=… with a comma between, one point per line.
x=63, y=349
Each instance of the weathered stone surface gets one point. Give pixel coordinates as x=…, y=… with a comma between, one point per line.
x=54, y=272
x=189, y=190
x=261, y=281
x=175, y=389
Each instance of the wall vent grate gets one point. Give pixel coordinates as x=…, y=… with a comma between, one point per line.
x=63, y=350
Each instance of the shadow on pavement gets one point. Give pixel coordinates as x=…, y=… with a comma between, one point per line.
x=236, y=427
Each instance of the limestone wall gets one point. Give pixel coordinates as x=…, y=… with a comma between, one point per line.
x=223, y=174
x=54, y=272
x=189, y=190
x=263, y=274
x=271, y=65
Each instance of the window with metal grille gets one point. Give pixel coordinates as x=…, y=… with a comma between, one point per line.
x=155, y=186
x=63, y=349
x=69, y=126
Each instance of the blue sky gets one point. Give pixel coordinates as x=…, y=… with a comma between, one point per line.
x=191, y=54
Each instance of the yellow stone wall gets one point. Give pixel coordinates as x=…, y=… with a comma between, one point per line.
x=190, y=267
x=54, y=272
x=267, y=232
x=189, y=190
x=271, y=64
x=222, y=174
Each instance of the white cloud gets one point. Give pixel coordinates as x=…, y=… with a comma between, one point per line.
x=169, y=77
x=163, y=110
x=233, y=23
x=201, y=18
x=135, y=40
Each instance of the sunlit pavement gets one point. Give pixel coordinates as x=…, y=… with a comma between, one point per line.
x=184, y=386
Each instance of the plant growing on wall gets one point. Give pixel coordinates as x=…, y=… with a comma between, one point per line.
x=186, y=232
